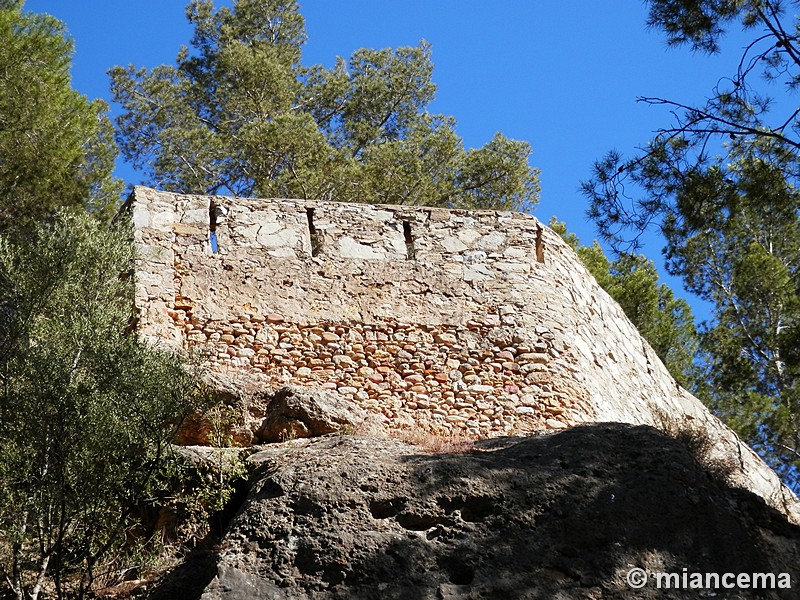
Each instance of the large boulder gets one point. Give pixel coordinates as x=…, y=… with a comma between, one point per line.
x=266, y=414
x=302, y=412
x=563, y=515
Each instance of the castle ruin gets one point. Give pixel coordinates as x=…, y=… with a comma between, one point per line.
x=483, y=323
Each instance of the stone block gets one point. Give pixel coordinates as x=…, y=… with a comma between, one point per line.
x=303, y=412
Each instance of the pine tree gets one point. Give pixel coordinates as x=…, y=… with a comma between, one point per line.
x=56, y=147
x=239, y=113
x=87, y=412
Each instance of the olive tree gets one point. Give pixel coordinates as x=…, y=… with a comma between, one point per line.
x=87, y=412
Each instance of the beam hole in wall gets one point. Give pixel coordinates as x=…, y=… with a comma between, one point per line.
x=409, y=238
x=316, y=239
x=539, y=244
x=212, y=227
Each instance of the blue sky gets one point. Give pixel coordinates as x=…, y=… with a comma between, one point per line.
x=563, y=76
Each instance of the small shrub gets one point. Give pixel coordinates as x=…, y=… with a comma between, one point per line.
x=700, y=445
x=433, y=442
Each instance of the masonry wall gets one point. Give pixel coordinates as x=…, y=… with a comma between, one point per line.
x=456, y=321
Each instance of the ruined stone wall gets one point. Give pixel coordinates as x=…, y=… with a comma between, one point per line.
x=479, y=322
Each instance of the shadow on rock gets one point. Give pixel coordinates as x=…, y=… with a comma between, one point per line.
x=555, y=516
x=188, y=580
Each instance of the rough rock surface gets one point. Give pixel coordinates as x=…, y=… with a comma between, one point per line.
x=557, y=516
x=267, y=414
x=296, y=412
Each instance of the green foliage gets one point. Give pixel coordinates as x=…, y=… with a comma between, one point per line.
x=731, y=220
x=629, y=194
x=86, y=411
x=700, y=23
x=199, y=487
x=239, y=113
x=735, y=240
x=666, y=322
x=56, y=147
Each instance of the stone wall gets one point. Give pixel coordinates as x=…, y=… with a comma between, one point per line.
x=477, y=322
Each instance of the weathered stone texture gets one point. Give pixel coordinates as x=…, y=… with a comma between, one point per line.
x=297, y=412
x=561, y=516
x=476, y=322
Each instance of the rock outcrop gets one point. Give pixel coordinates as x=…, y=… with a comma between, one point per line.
x=556, y=516
x=295, y=412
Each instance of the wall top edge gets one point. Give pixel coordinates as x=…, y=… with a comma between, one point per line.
x=143, y=192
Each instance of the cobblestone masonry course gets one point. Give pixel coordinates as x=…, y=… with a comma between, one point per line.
x=479, y=322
